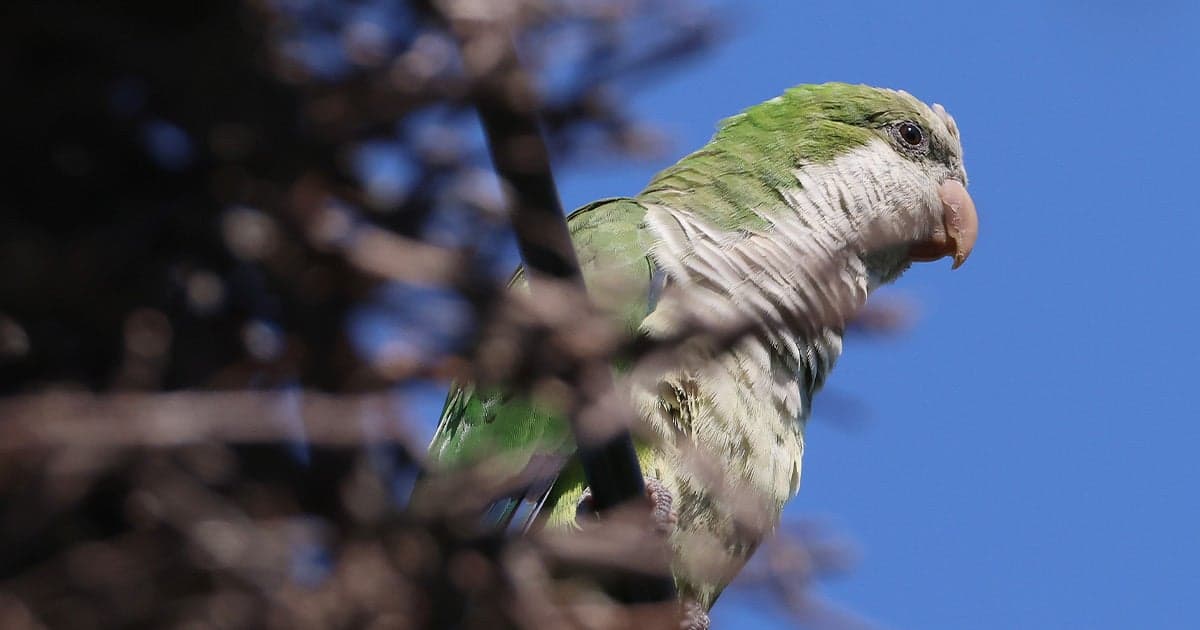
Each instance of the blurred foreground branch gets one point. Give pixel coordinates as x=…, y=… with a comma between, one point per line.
x=57, y=420
x=243, y=240
x=508, y=109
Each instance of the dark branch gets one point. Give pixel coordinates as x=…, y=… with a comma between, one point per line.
x=507, y=109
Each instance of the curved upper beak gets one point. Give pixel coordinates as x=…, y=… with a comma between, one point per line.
x=960, y=227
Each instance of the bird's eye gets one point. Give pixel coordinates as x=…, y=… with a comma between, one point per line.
x=910, y=133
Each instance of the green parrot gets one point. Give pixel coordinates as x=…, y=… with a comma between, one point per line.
x=790, y=216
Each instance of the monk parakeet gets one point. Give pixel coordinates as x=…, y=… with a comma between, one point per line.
x=790, y=216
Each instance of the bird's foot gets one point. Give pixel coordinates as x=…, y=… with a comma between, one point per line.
x=694, y=616
x=662, y=506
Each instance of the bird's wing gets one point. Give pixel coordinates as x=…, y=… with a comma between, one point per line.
x=536, y=444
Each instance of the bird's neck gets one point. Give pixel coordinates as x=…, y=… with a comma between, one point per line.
x=792, y=260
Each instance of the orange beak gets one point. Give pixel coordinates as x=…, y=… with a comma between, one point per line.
x=960, y=227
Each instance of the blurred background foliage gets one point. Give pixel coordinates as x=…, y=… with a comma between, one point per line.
x=238, y=240
x=291, y=196
x=203, y=195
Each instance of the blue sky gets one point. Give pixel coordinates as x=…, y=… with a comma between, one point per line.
x=1029, y=459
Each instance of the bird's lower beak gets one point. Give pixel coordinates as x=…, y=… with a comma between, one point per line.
x=960, y=227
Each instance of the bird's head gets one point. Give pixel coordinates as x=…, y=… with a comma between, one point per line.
x=857, y=140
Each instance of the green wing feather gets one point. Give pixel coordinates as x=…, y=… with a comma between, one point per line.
x=611, y=242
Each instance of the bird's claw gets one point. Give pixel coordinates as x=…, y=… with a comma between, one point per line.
x=694, y=616
x=665, y=518
x=662, y=506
